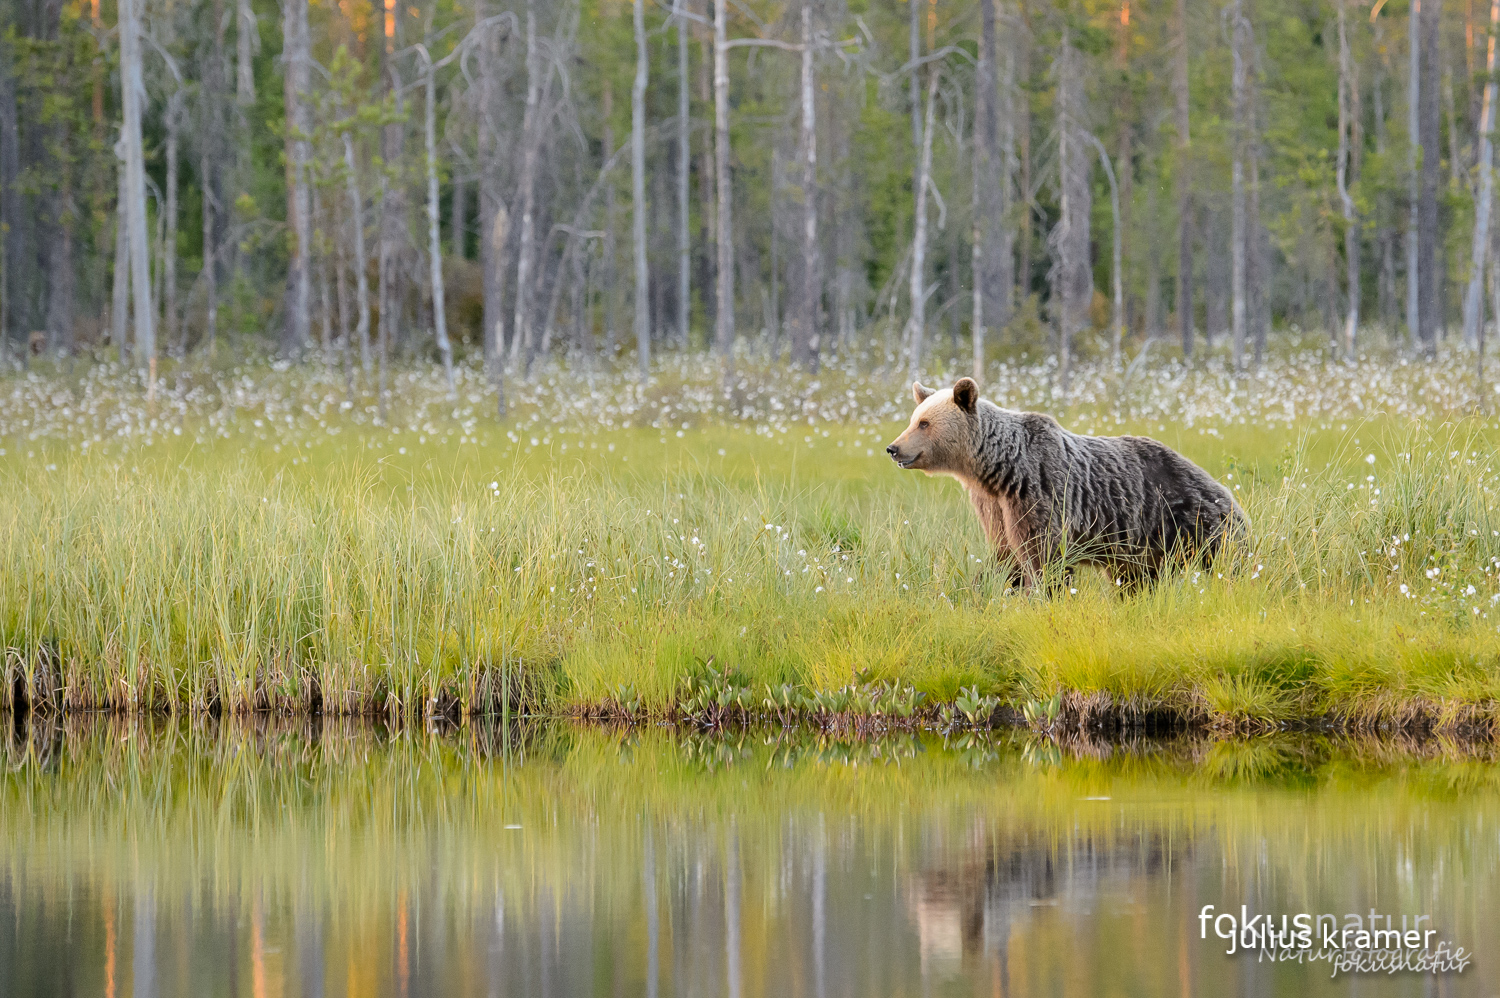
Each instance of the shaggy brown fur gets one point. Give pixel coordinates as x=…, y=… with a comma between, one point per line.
x=1130, y=505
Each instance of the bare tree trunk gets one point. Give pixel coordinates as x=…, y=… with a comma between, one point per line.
x=1239, y=37
x=986, y=221
x=638, y=195
x=916, y=326
x=684, y=167
x=1184, y=186
x=1351, y=224
x=805, y=347
x=723, y=225
x=914, y=52
x=133, y=96
x=1001, y=258
x=434, y=230
x=977, y=262
x=1074, y=284
x=610, y=249
x=361, y=260
x=1126, y=114
x=1021, y=128
x=120, y=300
x=211, y=146
x=296, y=53
x=13, y=217
x=522, y=334
x=492, y=235
x=169, y=318
x=707, y=191
x=1429, y=315
x=1474, y=298
x=1413, y=164
x=247, y=43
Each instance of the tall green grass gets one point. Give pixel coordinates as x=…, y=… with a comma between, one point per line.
x=210, y=580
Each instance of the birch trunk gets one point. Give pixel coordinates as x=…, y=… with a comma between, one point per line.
x=707, y=188
x=299, y=207
x=361, y=260
x=210, y=265
x=684, y=167
x=916, y=330
x=120, y=299
x=1430, y=311
x=521, y=327
x=247, y=43
x=169, y=321
x=434, y=227
x=976, y=268
x=638, y=205
x=1351, y=223
x=133, y=95
x=1184, y=186
x=805, y=348
x=1474, y=297
x=724, y=226
x=610, y=250
x=1073, y=285
x=1414, y=184
x=1239, y=29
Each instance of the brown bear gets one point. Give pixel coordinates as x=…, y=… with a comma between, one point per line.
x=1130, y=505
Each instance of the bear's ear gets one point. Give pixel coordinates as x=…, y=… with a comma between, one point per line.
x=966, y=394
x=921, y=394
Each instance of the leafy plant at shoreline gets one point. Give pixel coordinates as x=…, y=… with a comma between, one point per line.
x=1042, y=714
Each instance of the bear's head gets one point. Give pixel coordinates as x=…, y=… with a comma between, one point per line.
x=938, y=439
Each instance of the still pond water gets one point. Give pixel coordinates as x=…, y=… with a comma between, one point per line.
x=143, y=859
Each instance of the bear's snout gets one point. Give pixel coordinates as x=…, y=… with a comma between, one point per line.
x=903, y=460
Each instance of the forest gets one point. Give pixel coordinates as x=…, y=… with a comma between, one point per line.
x=885, y=182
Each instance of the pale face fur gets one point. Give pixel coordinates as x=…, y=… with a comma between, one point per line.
x=937, y=440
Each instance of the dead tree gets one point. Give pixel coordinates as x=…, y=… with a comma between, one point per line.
x=1474, y=296
x=1347, y=84
x=522, y=334
x=296, y=56
x=434, y=234
x=684, y=160
x=133, y=96
x=638, y=194
x=1073, y=283
x=916, y=330
x=1184, y=184
x=723, y=224
x=1430, y=305
x=1239, y=37
x=805, y=338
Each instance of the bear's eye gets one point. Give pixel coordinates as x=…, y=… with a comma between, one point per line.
x=922, y=425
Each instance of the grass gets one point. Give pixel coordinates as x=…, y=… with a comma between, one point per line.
x=258, y=542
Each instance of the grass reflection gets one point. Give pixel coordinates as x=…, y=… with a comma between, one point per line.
x=346, y=858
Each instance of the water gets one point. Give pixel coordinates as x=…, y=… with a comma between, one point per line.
x=230, y=859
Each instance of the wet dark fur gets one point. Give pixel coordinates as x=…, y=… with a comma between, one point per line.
x=1130, y=505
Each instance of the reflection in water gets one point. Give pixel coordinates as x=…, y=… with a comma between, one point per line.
x=161, y=859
